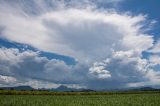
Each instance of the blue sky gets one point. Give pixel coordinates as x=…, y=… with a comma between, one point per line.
x=97, y=44
x=149, y=7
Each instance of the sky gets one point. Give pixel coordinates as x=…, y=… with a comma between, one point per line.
x=95, y=44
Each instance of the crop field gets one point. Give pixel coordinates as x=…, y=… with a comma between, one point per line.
x=81, y=99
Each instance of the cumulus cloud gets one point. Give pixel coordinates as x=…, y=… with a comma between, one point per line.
x=155, y=48
x=8, y=81
x=99, y=70
x=107, y=45
x=155, y=59
x=66, y=32
x=124, y=69
x=4, y=80
x=28, y=65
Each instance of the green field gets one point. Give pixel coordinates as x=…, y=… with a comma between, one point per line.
x=77, y=99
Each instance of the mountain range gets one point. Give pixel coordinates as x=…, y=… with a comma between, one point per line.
x=65, y=88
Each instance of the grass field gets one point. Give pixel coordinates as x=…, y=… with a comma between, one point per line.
x=114, y=99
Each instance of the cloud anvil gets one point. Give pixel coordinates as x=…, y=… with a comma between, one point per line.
x=96, y=47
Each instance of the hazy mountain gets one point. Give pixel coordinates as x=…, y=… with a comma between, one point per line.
x=17, y=88
x=65, y=88
x=144, y=89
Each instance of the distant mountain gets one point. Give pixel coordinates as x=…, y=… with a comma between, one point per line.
x=60, y=88
x=144, y=89
x=131, y=89
x=17, y=88
x=87, y=90
x=65, y=88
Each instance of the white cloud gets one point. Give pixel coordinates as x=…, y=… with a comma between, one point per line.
x=154, y=80
x=98, y=70
x=113, y=3
x=155, y=59
x=111, y=41
x=7, y=79
x=66, y=32
x=28, y=66
x=124, y=69
x=156, y=48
